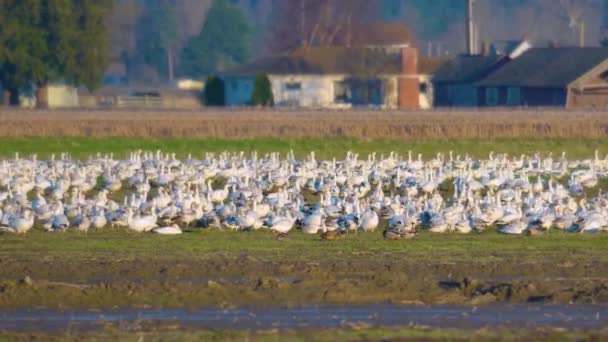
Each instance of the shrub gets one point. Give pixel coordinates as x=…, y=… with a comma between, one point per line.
x=214, y=93
x=262, y=92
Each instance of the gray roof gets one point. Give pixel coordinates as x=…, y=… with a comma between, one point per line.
x=547, y=67
x=465, y=69
x=332, y=60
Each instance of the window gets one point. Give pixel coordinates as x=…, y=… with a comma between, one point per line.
x=341, y=92
x=514, y=96
x=424, y=88
x=293, y=86
x=492, y=96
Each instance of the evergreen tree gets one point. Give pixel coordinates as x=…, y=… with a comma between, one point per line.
x=22, y=45
x=222, y=42
x=262, y=92
x=42, y=41
x=214, y=93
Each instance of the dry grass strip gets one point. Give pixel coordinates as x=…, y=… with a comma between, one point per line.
x=357, y=124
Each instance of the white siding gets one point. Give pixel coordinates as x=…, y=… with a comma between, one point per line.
x=426, y=98
x=62, y=96
x=315, y=91
x=58, y=96
x=311, y=91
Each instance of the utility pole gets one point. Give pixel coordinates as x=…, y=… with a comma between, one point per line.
x=470, y=28
x=170, y=64
x=303, y=37
x=581, y=33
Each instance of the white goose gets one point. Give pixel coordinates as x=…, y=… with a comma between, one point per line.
x=140, y=224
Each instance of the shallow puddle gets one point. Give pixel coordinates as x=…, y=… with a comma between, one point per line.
x=513, y=316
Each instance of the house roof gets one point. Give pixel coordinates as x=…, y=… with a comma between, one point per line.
x=547, y=67
x=465, y=68
x=332, y=60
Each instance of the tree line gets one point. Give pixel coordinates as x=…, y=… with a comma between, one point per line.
x=70, y=41
x=43, y=41
x=158, y=40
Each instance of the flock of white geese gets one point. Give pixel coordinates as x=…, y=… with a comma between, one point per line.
x=398, y=195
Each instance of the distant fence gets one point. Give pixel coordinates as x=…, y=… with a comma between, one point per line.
x=139, y=102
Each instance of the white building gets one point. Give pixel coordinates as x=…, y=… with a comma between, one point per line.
x=337, y=77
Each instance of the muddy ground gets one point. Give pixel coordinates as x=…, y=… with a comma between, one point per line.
x=96, y=279
x=115, y=269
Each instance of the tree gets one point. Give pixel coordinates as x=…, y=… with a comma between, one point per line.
x=157, y=38
x=317, y=22
x=43, y=41
x=214, y=93
x=22, y=45
x=122, y=31
x=262, y=92
x=91, y=40
x=223, y=42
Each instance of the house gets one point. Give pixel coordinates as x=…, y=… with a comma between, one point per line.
x=373, y=64
x=455, y=82
x=571, y=77
x=337, y=77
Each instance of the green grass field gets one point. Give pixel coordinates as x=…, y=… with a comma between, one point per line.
x=120, y=243
x=325, y=148
x=114, y=268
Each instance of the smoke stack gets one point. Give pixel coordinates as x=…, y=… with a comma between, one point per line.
x=470, y=28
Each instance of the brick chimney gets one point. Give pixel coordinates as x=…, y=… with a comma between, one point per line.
x=409, y=87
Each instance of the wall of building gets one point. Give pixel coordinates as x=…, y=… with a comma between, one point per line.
x=455, y=95
x=391, y=96
x=588, y=98
x=238, y=90
x=304, y=90
x=544, y=97
x=58, y=96
x=521, y=97
x=62, y=96
x=321, y=91
x=426, y=91
x=409, y=92
x=590, y=90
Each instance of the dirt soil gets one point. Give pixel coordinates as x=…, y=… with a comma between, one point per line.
x=224, y=280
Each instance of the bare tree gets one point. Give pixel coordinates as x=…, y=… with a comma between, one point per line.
x=122, y=25
x=557, y=21
x=318, y=22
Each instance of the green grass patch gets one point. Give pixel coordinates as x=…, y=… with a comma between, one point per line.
x=120, y=243
x=80, y=147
